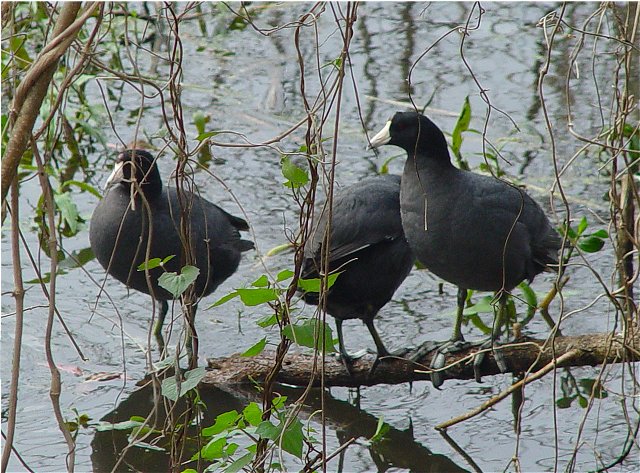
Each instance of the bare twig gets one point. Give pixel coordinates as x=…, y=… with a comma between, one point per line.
x=18, y=294
x=514, y=387
x=56, y=382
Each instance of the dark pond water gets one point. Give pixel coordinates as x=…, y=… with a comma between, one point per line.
x=249, y=83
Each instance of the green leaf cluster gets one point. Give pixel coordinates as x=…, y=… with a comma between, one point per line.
x=587, y=242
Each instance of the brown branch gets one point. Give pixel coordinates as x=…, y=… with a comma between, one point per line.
x=524, y=356
x=30, y=93
x=554, y=363
x=18, y=294
x=56, y=380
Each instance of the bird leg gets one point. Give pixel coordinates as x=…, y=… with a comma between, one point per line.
x=381, y=349
x=499, y=320
x=347, y=359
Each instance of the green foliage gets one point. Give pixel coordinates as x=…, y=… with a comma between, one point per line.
x=309, y=332
x=488, y=305
x=257, y=348
x=133, y=423
x=172, y=389
x=462, y=125
x=76, y=259
x=381, y=430
x=222, y=450
x=155, y=262
x=79, y=421
x=315, y=284
x=175, y=283
x=287, y=433
x=587, y=242
x=208, y=134
x=295, y=175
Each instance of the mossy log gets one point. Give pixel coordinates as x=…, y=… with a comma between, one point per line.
x=525, y=355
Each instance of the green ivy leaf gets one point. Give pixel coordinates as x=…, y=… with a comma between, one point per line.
x=222, y=423
x=252, y=297
x=214, y=449
x=175, y=283
x=295, y=175
x=262, y=281
x=582, y=401
x=590, y=386
x=226, y=298
x=284, y=275
x=602, y=233
x=591, y=244
x=529, y=294
x=154, y=263
x=253, y=414
x=304, y=334
x=278, y=402
x=267, y=321
x=313, y=284
x=208, y=134
x=483, y=306
x=462, y=125
x=148, y=446
x=564, y=402
x=82, y=186
x=582, y=226
x=240, y=463
x=68, y=210
x=124, y=425
x=171, y=390
x=77, y=259
x=200, y=120
x=256, y=349
x=381, y=430
x=292, y=438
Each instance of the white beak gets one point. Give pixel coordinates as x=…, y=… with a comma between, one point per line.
x=116, y=175
x=381, y=138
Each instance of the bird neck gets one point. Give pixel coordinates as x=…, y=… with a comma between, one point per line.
x=150, y=190
x=433, y=162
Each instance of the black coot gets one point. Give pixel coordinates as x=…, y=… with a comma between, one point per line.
x=368, y=245
x=135, y=201
x=474, y=231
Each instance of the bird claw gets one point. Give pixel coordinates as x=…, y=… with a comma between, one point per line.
x=479, y=358
x=438, y=361
x=400, y=353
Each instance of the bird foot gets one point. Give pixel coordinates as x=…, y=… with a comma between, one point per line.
x=381, y=357
x=438, y=361
x=348, y=359
x=480, y=357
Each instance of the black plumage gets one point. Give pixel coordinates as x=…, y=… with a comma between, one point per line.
x=136, y=201
x=368, y=245
x=474, y=231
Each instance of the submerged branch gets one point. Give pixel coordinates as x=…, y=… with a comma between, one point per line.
x=524, y=356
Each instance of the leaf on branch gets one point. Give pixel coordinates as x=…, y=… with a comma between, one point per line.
x=175, y=283
x=173, y=391
x=304, y=334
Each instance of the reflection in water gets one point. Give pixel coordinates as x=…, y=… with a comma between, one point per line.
x=408, y=19
x=398, y=448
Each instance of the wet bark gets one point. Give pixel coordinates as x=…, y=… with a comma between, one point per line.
x=525, y=355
